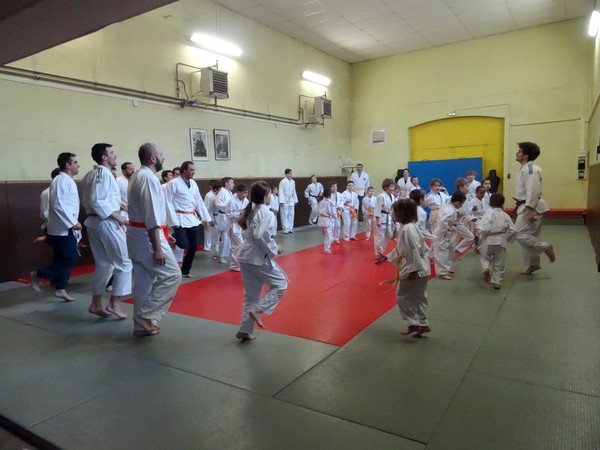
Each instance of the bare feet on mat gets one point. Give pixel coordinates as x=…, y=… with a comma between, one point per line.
x=256, y=316
x=115, y=310
x=497, y=286
x=409, y=330
x=98, y=310
x=143, y=333
x=486, y=275
x=146, y=324
x=61, y=293
x=245, y=336
x=446, y=277
x=530, y=270
x=35, y=282
x=422, y=330
x=550, y=253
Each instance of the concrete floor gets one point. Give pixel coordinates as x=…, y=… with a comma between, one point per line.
x=509, y=369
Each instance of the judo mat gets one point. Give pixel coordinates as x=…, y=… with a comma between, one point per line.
x=330, y=298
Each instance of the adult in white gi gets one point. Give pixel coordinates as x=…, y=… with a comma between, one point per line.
x=312, y=193
x=185, y=209
x=404, y=184
x=361, y=183
x=384, y=224
x=530, y=208
x=256, y=261
x=411, y=256
x=287, y=201
x=106, y=232
x=445, y=229
x=220, y=252
x=349, y=213
x=327, y=216
x=45, y=200
x=156, y=275
x=496, y=230
x=233, y=210
x=63, y=227
x=127, y=170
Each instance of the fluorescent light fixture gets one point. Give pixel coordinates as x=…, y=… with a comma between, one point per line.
x=594, y=24
x=316, y=78
x=216, y=45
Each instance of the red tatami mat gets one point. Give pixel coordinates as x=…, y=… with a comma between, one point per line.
x=330, y=298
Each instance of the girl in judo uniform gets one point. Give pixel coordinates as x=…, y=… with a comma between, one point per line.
x=255, y=256
x=411, y=256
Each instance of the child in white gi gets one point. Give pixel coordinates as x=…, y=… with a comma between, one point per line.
x=274, y=205
x=312, y=193
x=418, y=196
x=349, y=213
x=327, y=215
x=463, y=221
x=336, y=199
x=384, y=224
x=496, y=231
x=477, y=209
x=444, y=231
x=435, y=200
x=414, y=184
x=412, y=259
x=208, y=199
x=368, y=207
x=472, y=183
x=256, y=255
x=233, y=210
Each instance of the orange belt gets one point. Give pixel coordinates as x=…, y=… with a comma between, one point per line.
x=184, y=212
x=164, y=228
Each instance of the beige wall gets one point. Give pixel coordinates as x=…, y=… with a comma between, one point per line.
x=39, y=121
x=538, y=79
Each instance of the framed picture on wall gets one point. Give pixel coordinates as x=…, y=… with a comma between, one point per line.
x=222, y=145
x=199, y=144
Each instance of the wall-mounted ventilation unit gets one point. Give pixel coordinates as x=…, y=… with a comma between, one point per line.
x=213, y=83
x=323, y=107
x=378, y=137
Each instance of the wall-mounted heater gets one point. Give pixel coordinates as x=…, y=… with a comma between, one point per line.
x=213, y=83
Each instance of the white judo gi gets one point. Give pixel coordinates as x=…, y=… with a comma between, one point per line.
x=349, y=214
x=258, y=267
x=123, y=184
x=154, y=286
x=327, y=217
x=529, y=191
x=403, y=186
x=435, y=201
x=411, y=255
x=287, y=204
x=233, y=210
x=312, y=192
x=221, y=243
x=496, y=230
x=101, y=198
x=386, y=228
x=208, y=230
x=368, y=209
x=442, y=246
x=338, y=204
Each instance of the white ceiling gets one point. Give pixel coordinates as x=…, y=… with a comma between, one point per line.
x=359, y=30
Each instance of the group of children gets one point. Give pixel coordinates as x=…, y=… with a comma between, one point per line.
x=471, y=217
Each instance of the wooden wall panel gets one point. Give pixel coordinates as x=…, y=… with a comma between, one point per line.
x=20, y=223
x=593, y=209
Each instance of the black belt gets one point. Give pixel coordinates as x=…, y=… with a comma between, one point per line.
x=222, y=212
x=385, y=212
x=315, y=196
x=520, y=202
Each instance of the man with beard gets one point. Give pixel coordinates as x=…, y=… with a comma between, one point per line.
x=156, y=275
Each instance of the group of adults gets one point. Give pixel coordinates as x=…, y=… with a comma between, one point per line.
x=128, y=240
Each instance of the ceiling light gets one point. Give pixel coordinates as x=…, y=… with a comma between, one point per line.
x=594, y=24
x=316, y=78
x=216, y=45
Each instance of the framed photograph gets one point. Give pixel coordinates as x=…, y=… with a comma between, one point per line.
x=222, y=145
x=199, y=144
